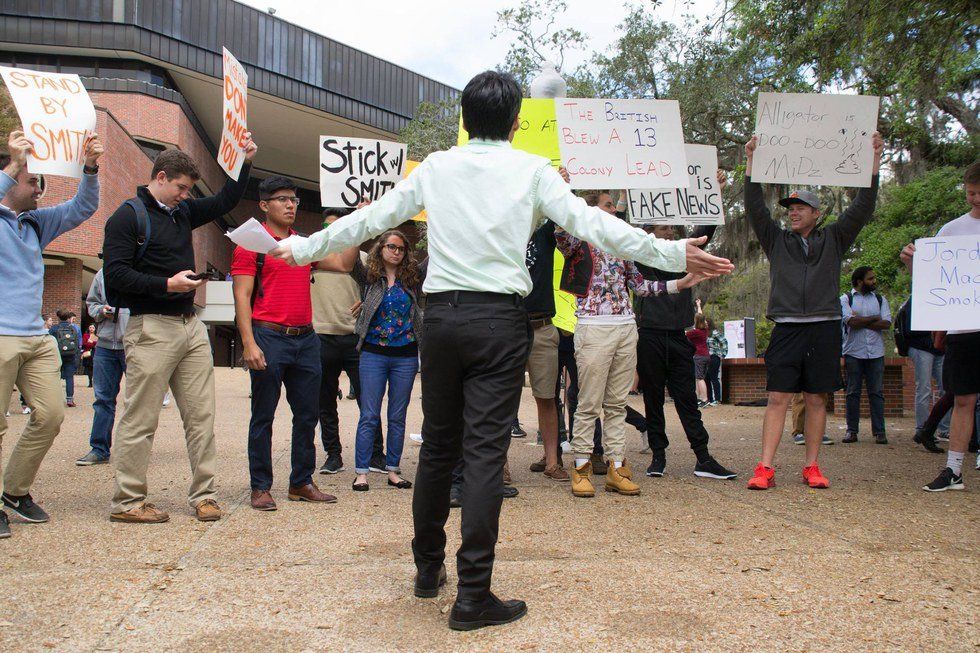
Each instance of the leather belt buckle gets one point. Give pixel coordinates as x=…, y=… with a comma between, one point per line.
x=293, y=331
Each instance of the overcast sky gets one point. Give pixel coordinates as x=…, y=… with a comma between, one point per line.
x=448, y=40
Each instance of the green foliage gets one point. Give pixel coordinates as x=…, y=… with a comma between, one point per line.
x=435, y=127
x=9, y=120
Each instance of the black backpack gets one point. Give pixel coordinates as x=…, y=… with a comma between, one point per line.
x=902, y=326
x=67, y=340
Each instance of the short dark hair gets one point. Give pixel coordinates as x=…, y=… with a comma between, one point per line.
x=175, y=163
x=859, y=274
x=592, y=197
x=971, y=176
x=339, y=212
x=64, y=314
x=491, y=102
x=271, y=185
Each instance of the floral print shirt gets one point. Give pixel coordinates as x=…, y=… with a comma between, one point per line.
x=391, y=325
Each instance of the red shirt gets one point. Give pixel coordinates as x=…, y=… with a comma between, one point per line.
x=699, y=338
x=285, y=295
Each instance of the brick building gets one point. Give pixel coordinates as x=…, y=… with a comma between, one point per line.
x=153, y=71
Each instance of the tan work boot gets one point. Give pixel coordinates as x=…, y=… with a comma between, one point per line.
x=145, y=513
x=616, y=482
x=208, y=510
x=626, y=471
x=556, y=473
x=582, y=481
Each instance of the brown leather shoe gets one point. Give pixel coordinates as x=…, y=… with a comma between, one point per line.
x=556, y=473
x=208, y=510
x=262, y=500
x=507, y=479
x=145, y=513
x=310, y=492
x=539, y=466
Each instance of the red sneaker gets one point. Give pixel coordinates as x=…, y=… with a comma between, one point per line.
x=763, y=478
x=813, y=477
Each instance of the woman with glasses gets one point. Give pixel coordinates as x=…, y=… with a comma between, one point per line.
x=389, y=330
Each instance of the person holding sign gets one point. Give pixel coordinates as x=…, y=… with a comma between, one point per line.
x=962, y=361
x=484, y=201
x=28, y=355
x=804, y=275
x=149, y=269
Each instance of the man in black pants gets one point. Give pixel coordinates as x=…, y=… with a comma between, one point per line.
x=484, y=201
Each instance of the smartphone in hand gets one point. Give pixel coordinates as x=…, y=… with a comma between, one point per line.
x=198, y=276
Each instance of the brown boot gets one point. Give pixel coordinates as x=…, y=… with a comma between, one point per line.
x=208, y=510
x=599, y=466
x=507, y=479
x=539, y=466
x=582, y=482
x=262, y=500
x=310, y=492
x=145, y=513
x=626, y=471
x=616, y=482
x=556, y=473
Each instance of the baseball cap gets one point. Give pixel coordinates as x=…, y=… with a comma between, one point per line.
x=801, y=197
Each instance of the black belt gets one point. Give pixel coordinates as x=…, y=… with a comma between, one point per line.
x=456, y=297
x=283, y=329
x=543, y=322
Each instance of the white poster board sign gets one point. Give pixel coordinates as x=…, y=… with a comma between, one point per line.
x=234, y=116
x=356, y=169
x=735, y=335
x=813, y=139
x=622, y=143
x=58, y=118
x=946, y=284
x=697, y=204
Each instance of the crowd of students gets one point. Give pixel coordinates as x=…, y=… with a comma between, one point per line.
x=317, y=305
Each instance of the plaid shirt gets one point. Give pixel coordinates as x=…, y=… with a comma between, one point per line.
x=717, y=344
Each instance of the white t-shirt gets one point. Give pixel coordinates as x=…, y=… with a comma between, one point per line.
x=965, y=225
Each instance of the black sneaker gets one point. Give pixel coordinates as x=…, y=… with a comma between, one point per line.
x=25, y=508
x=657, y=465
x=4, y=526
x=881, y=438
x=470, y=615
x=927, y=441
x=455, y=500
x=850, y=438
x=378, y=465
x=946, y=480
x=711, y=468
x=516, y=431
x=332, y=465
x=510, y=492
x=91, y=458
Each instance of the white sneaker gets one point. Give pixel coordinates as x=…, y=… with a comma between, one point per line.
x=166, y=400
x=26, y=410
x=978, y=461
x=415, y=437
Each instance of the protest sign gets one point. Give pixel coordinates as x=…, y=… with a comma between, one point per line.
x=410, y=167
x=813, y=139
x=565, y=304
x=946, y=284
x=357, y=169
x=735, y=335
x=622, y=143
x=697, y=204
x=537, y=133
x=58, y=118
x=234, y=116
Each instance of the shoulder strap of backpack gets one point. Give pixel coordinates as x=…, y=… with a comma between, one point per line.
x=143, y=229
x=257, y=289
x=881, y=300
x=850, y=298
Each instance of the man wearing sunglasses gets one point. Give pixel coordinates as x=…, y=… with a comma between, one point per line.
x=28, y=355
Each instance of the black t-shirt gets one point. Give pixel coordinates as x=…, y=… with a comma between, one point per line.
x=540, y=260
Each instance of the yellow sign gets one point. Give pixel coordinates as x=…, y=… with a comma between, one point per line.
x=409, y=167
x=538, y=133
x=564, y=302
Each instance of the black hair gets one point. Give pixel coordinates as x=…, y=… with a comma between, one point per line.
x=63, y=314
x=339, y=212
x=271, y=185
x=491, y=102
x=859, y=274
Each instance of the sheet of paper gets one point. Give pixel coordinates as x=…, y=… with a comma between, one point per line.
x=253, y=237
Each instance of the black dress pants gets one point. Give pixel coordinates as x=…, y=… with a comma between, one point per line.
x=665, y=359
x=339, y=354
x=474, y=352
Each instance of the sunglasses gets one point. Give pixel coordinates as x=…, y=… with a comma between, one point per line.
x=397, y=249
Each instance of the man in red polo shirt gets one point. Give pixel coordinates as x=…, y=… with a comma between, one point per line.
x=275, y=318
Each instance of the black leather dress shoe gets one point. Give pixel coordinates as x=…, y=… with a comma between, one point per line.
x=427, y=587
x=470, y=615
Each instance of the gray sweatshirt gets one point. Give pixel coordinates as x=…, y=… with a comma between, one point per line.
x=110, y=327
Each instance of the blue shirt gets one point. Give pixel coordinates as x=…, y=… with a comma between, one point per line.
x=864, y=343
x=391, y=325
x=21, y=267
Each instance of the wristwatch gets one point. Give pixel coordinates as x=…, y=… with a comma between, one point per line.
x=94, y=170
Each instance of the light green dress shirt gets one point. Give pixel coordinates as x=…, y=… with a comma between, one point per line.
x=484, y=200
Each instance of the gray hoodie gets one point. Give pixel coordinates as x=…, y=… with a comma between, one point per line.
x=110, y=327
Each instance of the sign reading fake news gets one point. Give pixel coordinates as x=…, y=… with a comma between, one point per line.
x=697, y=204
x=234, y=116
x=356, y=169
x=58, y=118
x=946, y=284
x=622, y=143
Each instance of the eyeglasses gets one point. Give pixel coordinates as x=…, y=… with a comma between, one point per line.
x=285, y=199
x=397, y=249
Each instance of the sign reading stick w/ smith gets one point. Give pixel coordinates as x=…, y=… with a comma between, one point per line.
x=58, y=117
x=946, y=284
x=356, y=169
x=234, y=116
x=698, y=204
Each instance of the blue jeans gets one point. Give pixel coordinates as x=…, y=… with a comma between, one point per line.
x=68, y=367
x=108, y=367
x=293, y=362
x=927, y=367
x=871, y=371
x=377, y=372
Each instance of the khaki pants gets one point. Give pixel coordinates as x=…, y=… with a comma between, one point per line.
x=799, y=411
x=34, y=365
x=162, y=351
x=606, y=361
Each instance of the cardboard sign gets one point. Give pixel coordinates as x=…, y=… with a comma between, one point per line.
x=699, y=203
x=538, y=132
x=234, y=116
x=58, y=118
x=946, y=284
x=356, y=169
x=622, y=143
x=813, y=139
x=565, y=304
